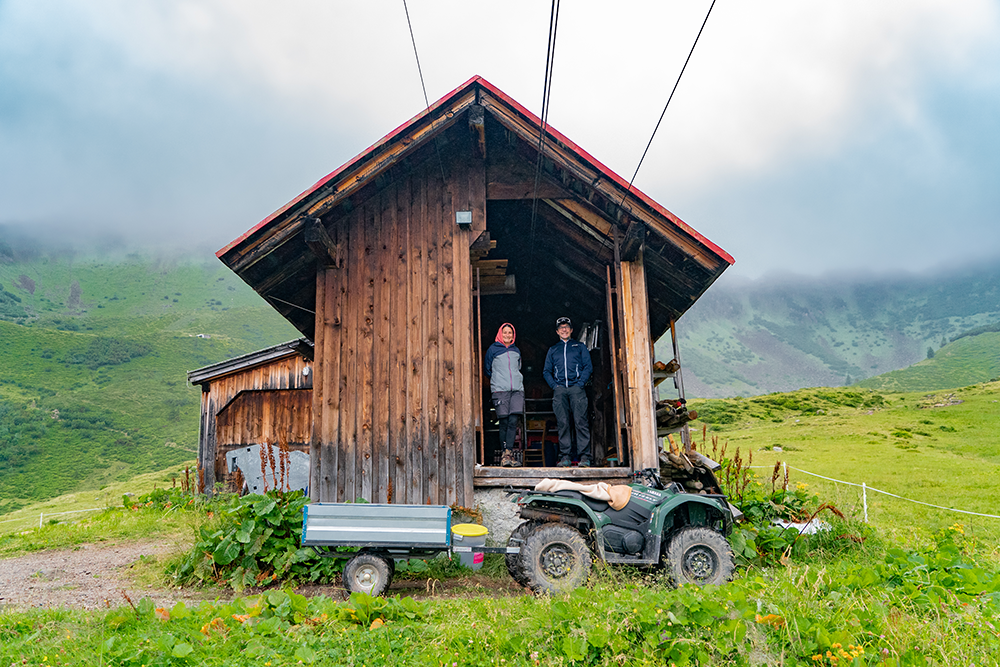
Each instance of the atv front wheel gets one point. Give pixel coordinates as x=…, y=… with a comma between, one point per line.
x=699, y=556
x=514, y=560
x=368, y=573
x=554, y=559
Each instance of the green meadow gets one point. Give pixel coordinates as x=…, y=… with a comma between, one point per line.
x=97, y=426
x=914, y=585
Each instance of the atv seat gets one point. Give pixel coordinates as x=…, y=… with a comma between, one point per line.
x=592, y=503
x=633, y=516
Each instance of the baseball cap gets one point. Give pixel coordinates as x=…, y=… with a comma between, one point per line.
x=563, y=320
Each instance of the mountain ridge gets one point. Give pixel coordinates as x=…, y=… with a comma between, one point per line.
x=765, y=336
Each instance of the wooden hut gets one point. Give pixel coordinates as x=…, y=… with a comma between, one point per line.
x=401, y=264
x=260, y=398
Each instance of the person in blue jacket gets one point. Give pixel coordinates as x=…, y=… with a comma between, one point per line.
x=567, y=369
x=503, y=368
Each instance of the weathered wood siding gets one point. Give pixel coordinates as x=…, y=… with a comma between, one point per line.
x=393, y=402
x=255, y=417
x=231, y=415
x=637, y=346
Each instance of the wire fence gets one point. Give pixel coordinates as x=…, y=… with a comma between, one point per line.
x=42, y=515
x=865, y=489
x=863, y=486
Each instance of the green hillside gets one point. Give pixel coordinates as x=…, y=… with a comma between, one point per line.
x=779, y=335
x=939, y=448
x=94, y=355
x=967, y=360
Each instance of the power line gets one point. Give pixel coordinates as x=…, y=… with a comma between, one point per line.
x=672, y=91
x=550, y=57
x=662, y=114
x=427, y=103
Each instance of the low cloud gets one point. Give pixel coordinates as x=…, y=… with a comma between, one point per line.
x=167, y=119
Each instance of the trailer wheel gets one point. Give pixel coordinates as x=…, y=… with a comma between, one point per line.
x=699, y=556
x=554, y=559
x=514, y=560
x=368, y=573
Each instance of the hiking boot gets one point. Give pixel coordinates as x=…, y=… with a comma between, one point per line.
x=564, y=462
x=584, y=463
x=514, y=462
x=506, y=461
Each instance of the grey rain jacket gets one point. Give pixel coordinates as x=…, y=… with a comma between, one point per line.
x=503, y=366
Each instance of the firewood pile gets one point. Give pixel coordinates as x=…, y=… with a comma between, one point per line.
x=673, y=413
x=689, y=469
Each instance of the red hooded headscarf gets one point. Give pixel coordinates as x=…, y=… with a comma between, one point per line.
x=499, y=337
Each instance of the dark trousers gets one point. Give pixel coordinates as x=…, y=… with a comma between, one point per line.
x=572, y=402
x=509, y=406
x=508, y=430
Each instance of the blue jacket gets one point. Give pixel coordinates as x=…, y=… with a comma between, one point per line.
x=503, y=366
x=567, y=364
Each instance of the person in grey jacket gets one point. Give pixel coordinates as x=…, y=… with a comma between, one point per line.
x=503, y=367
x=567, y=369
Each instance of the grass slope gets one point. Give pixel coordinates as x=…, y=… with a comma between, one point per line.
x=967, y=360
x=95, y=354
x=936, y=448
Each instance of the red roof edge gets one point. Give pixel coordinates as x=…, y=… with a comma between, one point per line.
x=357, y=158
x=608, y=172
x=551, y=131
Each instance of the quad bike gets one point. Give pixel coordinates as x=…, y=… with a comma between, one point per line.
x=662, y=525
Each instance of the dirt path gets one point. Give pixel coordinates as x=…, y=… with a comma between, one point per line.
x=90, y=576
x=82, y=577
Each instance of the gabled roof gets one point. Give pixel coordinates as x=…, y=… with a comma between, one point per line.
x=301, y=346
x=681, y=263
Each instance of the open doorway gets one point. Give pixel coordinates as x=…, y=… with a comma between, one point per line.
x=532, y=275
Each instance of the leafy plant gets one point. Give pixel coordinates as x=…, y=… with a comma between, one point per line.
x=256, y=543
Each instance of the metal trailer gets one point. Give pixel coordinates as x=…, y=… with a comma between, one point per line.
x=382, y=534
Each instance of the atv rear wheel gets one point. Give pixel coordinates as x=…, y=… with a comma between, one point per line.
x=368, y=573
x=699, y=556
x=554, y=559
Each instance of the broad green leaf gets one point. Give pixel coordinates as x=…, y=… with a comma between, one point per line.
x=182, y=650
x=180, y=611
x=246, y=530
x=305, y=654
x=575, y=646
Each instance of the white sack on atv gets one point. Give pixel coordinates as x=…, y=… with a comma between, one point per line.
x=617, y=496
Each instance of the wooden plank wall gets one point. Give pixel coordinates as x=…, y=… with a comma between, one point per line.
x=639, y=364
x=255, y=417
x=282, y=416
x=393, y=399
x=284, y=373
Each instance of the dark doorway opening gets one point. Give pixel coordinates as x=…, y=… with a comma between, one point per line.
x=548, y=273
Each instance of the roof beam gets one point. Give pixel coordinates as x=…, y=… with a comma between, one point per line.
x=319, y=241
x=565, y=158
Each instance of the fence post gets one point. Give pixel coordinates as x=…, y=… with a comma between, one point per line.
x=40, y=515
x=864, y=499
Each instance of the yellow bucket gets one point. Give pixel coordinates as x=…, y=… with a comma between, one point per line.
x=470, y=535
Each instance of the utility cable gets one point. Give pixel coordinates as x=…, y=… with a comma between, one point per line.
x=427, y=103
x=621, y=204
x=420, y=72
x=664, y=112
x=550, y=57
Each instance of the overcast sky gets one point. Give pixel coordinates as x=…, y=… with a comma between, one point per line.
x=805, y=137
